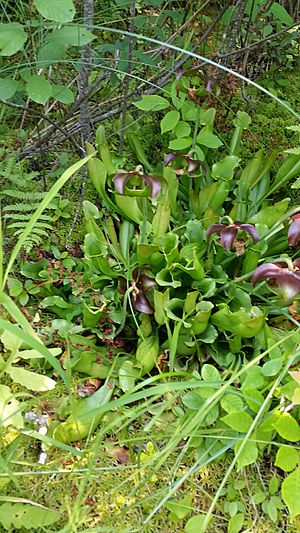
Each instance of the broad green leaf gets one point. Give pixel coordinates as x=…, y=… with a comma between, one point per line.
x=287, y=427
x=290, y=491
x=287, y=458
x=272, y=368
x=57, y=10
x=248, y=454
x=62, y=94
x=273, y=485
x=207, y=116
x=39, y=89
x=270, y=509
x=236, y=523
x=181, y=144
x=192, y=400
x=183, y=129
x=152, y=103
x=179, y=508
x=35, y=216
x=253, y=398
x=7, y=87
x=70, y=36
x=206, y=138
x=15, y=287
x=232, y=403
x=239, y=421
x=280, y=14
x=196, y=524
x=224, y=169
x=30, y=380
x=168, y=123
x=210, y=373
x=12, y=38
x=10, y=410
x=49, y=54
x=31, y=517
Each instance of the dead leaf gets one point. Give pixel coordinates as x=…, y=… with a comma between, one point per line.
x=295, y=375
x=87, y=388
x=120, y=453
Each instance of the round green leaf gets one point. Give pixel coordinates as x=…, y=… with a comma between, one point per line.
x=236, y=523
x=183, y=129
x=287, y=458
x=57, y=10
x=152, y=103
x=49, y=54
x=206, y=138
x=192, y=400
x=169, y=121
x=232, y=403
x=7, y=88
x=272, y=367
x=239, y=421
x=12, y=38
x=39, y=89
x=287, y=427
x=181, y=144
x=210, y=373
x=196, y=524
x=70, y=36
x=248, y=454
x=253, y=398
x=62, y=94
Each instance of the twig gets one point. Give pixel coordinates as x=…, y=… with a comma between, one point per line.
x=85, y=117
x=65, y=134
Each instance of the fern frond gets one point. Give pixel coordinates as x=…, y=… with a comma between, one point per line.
x=21, y=216
x=22, y=207
x=23, y=195
x=37, y=232
x=37, y=225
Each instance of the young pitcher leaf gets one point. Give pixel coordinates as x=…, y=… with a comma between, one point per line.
x=30, y=380
x=57, y=10
x=290, y=491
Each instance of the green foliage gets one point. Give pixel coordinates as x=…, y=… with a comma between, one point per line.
x=20, y=196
